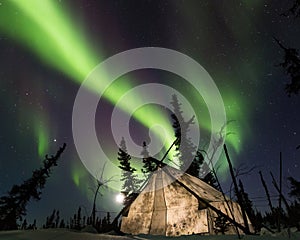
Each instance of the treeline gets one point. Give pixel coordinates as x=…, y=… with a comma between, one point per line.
x=77, y=222
x=286, y=212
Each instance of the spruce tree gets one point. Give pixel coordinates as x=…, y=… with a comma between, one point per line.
x=78, y=219
x=62, y=224
x=50, y=220
x=295, y=188
x=202, y=168
x=247, y=203
x=148, y=166
x=130, y=180
x=211, y=180
x=13, y=205
x=194, y=168
x=108, y=218
x=185, y=147
x=24, y=225
x=291, y=65
x=221, y=224
x=57, y=219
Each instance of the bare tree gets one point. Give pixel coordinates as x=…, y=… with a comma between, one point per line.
x=218, y=140
x=100, y=183
x=266, y=191
x=241, y=170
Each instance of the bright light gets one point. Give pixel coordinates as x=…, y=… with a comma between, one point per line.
x=120, y=198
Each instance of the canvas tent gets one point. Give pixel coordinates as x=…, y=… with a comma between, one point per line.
x=173, y=203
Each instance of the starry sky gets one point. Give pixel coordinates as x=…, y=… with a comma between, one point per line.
x=49, y=47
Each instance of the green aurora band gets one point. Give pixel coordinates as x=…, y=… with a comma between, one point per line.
x=41, y=131
x=40, y=22
x=47, y=29
x=43, y=137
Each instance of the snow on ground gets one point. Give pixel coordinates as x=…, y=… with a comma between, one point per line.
x=63, y=234
x=55, y=234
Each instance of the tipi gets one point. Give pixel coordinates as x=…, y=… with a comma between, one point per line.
x=174, y=203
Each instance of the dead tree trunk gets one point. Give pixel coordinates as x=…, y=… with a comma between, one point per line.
x=94, y=204
x=280, y=193
x=101, y=182
x=239, y=198
x=284, y=201
x=266, y=191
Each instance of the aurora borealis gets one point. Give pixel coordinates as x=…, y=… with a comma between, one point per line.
x=49, y=47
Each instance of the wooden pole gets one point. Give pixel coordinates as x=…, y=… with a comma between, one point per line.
x=284, y=201
x=166, y=154
x=280, y=192
x=266, y=191
x=239, y=198
x=282, y=197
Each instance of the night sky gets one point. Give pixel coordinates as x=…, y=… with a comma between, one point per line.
x=49, y=47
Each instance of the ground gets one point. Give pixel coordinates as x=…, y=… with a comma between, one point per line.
x=63, y=234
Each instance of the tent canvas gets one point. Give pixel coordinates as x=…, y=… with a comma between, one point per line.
x=174, y=203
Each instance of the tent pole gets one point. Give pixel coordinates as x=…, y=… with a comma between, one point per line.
x=237, y=191
x=166, y=154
